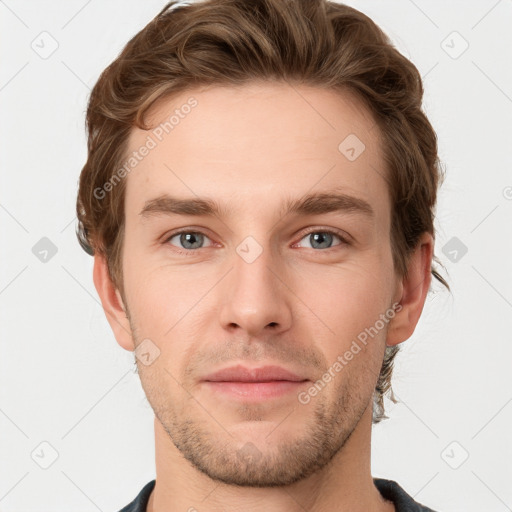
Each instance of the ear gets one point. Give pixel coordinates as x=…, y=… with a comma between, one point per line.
x=412, y=292
x=112, y=303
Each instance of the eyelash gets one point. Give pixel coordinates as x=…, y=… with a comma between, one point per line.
x=191, y=252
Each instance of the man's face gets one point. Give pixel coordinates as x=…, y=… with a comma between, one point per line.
x=254, y=285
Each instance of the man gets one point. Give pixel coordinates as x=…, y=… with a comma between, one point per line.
x=258, y=197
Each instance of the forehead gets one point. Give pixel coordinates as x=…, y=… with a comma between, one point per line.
x=257, y=143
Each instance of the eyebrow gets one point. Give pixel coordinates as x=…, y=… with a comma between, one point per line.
x=311, y=204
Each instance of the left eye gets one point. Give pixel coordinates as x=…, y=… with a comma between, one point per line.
x=322, y=239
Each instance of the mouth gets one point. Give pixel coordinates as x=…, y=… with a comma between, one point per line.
x=264, y=383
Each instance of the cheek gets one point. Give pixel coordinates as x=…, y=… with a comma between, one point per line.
x=344, y=304
x=354, y=290
x=168, y=304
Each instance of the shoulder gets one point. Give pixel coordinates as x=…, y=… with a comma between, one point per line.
x=140, y=502
x=390, y=490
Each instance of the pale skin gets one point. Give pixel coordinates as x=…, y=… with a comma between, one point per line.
x=298, y=305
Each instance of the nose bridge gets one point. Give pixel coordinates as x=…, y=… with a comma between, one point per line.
x=253, y=296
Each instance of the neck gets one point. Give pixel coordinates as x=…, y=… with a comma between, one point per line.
x=345, y=484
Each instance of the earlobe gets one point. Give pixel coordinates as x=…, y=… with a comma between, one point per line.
x=415, y=286
x=112, y=303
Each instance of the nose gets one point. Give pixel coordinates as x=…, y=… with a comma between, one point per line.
x=256, y=296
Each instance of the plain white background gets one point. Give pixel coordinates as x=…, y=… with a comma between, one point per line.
x=68, y=392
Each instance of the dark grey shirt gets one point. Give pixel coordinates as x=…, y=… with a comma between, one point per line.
x=389, y=489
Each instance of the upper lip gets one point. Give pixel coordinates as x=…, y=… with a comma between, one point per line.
x=240, y=373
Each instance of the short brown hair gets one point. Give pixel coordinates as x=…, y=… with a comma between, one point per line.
x=318, y=43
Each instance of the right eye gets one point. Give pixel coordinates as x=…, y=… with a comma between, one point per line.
x=189, y=240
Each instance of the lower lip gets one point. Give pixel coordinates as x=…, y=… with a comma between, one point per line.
x=256, y=390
